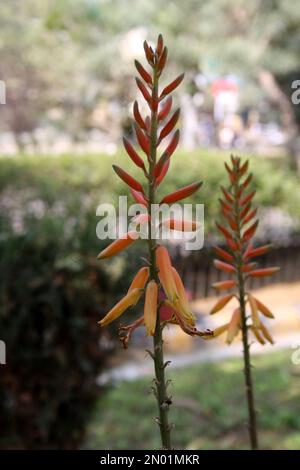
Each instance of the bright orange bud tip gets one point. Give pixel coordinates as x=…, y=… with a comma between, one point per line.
x=140, y=279
x=118, y=245
x=150, y=308
x=224, y=284
x=221, y=303
x=263, y=272
x=224, y=266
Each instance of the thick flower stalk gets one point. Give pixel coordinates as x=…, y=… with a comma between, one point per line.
x=160, y=284
x=240, y=224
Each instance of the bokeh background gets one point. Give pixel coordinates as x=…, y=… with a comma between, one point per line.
x=67, y=72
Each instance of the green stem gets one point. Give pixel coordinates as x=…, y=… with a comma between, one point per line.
x=163, y=400
x=246, y=349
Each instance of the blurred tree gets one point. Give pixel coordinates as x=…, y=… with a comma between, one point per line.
x=75, y=56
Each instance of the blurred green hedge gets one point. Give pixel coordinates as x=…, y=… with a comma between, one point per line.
x=53, y=291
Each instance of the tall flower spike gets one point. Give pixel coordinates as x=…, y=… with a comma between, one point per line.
x=238, y=229
x=150, y=130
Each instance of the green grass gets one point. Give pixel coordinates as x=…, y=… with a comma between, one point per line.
x=209, y=410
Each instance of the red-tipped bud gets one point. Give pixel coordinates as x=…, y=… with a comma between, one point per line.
x=173, y=144
x=247, y=198
x=133, y=154
x=160, y=44
x=223, y=230
x=142, y=139
x=160, y=164
x=226, y=207
x=223, y=254
x=228, y=169
x=224, y=284
x=163, y=173
x=181, y=193
x=134, y=184
x=143, y=90
x=224, y=266
x=232, y=244
x=263, y=272
x=253, y=252
x=244, y=168
x=165, y=109
x=171, y=87
x=250, y=232
x=247, y=181
x=138, y=197
x=143, y=72
x=245, y=211
x=137, y=116
x=148, y=124
x=227, y=195
x=170, y=125
x=232, y=222
x=250, y=216
x=246, y=268
x=162, y=60
x=149, y=53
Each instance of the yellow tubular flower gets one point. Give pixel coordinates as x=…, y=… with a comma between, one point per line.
x=234, y=325
x=182, y=304
x=254, y=311
x=150, y=308
x=165, y=273
x=219, y=330
x=266, y=333
x=129, y=300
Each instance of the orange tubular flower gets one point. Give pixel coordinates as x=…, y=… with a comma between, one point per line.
x=130, y=299
x=165, y=273
x=118, y=245
x=240, y=250
x=238, y=230
x=150, y=309
x=140, y=279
